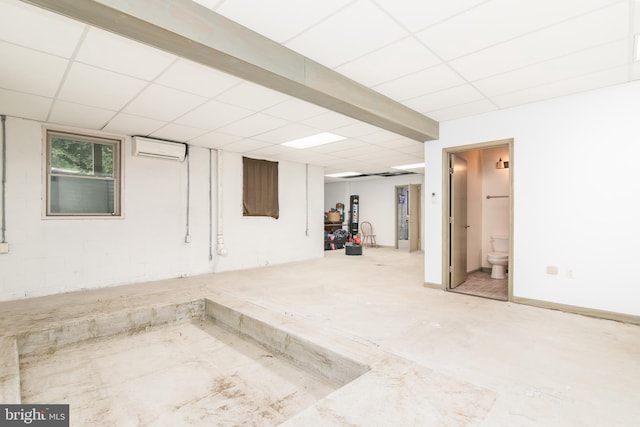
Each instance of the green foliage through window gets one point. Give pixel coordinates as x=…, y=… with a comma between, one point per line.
x=81, y=158
x=83, y=175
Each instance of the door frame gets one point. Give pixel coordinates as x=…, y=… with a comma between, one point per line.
x=415, y=226
x=395, y=215
x=446, y=188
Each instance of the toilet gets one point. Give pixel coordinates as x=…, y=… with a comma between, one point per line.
x=499, y=257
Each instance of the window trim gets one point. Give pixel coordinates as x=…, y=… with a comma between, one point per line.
x=118, y=143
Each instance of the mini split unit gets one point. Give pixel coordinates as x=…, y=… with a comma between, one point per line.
x=159, y=149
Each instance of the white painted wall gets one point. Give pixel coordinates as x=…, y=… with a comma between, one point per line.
x=49, y=256
x=576, y=186
x=336, y=192
x=495, y=182
x=261, y=241
x=377, y=202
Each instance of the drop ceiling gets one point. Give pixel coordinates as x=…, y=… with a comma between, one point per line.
x=444, y=59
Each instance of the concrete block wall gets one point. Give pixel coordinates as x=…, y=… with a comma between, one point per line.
x=49, y=256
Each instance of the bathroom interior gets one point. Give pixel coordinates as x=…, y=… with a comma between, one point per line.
x=488, y=222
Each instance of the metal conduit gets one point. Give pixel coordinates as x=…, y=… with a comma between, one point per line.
x=220, y=249
x=4, y=178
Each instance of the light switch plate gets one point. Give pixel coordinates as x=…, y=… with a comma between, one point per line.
x=4, y=248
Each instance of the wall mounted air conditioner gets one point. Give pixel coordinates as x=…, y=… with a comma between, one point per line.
x=157, y=148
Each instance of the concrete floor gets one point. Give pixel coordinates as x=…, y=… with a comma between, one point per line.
x=193, y=373
x=438, y=358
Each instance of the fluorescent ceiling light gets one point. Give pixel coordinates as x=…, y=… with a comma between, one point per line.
x=343, y=174
x=413, y=166
x=313, y=140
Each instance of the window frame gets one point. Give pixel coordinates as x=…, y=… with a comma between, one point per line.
x=117, y=142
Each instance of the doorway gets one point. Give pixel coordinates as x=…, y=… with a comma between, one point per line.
x=478, y=213
x=408, y=212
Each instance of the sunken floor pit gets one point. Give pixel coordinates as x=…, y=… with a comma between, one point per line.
x=196, y=363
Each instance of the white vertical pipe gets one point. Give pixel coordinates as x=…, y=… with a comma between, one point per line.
x=210, y=208
x=306, y=192
x=220, y=249
x=4, y=178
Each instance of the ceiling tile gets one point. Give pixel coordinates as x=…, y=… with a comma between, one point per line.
x=395, y=60
x=253, y=125
x=416, y=15
x=464, y=110
x=132, y=125
x=304, y=156
x=213, y=115
x=23, y=72
x=420, y=83
x=295, y=110
x=23, y=105
x=67, y=113
x=414, y=150
x=275, y=19
x=214, y=140
x=286, y=133
x=115, y=53
x=252, y=96
x=445, y=98
x=272, y=150
x=379, y=136
x=178, y=133
x=245, y=145
x=339, y=164
x=354, y=31
x=565, y=87
x=580, y=63
x=99, y=88
x=335, y=147
x=399, y=143
x=194, y=78
x=379, y=155
x=329, y=120
x=356, y=152
x=605, y=25
x=39, y=29
x=163, y=103
x=356, y=130
x=485, y=25
x=328, y=162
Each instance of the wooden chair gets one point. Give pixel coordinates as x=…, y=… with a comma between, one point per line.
x=367, y=234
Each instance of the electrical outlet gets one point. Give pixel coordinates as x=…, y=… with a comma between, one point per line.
x=570, y=273
x=187, y=238
x=4, y=248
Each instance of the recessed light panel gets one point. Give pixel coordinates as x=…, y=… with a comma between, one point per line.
x=314, y=140
x=343, y=174
x=412, y=166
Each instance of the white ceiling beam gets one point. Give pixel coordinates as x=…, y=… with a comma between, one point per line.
x=194, y=32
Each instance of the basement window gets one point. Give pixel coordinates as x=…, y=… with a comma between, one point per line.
x=260, y=188
x=83, y=175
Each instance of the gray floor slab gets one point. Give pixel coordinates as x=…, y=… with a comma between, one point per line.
x=453, y=359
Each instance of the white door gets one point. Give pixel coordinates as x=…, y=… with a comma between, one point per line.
x=458, y=221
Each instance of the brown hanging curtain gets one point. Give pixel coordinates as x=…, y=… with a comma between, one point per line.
x=260, y=188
